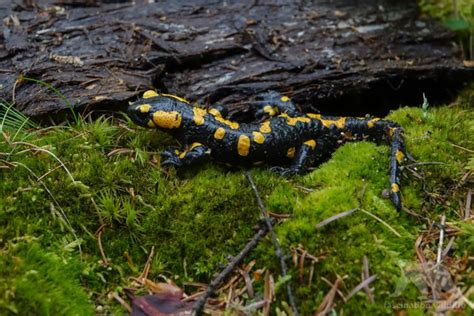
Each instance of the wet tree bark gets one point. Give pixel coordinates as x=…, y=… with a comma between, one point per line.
x=341, y=57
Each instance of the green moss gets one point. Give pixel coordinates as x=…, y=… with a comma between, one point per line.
x=38, y=282
x=196, y=217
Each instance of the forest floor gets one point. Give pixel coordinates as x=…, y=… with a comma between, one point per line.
x=84, y=204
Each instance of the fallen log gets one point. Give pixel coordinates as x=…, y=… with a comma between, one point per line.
x=339, y=57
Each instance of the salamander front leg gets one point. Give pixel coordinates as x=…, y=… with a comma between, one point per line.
x=219, y=111
x=304, y=157
x=196, y=154
x=271, y=104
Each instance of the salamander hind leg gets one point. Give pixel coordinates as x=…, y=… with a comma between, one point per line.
x=196, y=154
x=397, y=155
x=381, y=131
x=391, y=132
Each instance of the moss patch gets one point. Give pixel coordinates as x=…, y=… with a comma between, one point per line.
x=195, y=218
x=38, y=282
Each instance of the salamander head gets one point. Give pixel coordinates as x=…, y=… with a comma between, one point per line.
x=163, y=111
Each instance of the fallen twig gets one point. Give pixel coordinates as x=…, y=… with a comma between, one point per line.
x=248, y=282
x=147, y=267
x=253, y=307
x=467, y=210
x=349, y=212
x=268, y=292
x=448, y=247
x=276, y=244
x=99, y=232
x=199, y=305
x=365, y=276
x=328, y=300
x=441, y=239
x=463, y=148
x=339, y=292
x=410, y=212
x=335, y=217
x=382, y=221
x=299, y=262
x=361, y=285
x=278, y=216
x=122, y=302
x=424, y=163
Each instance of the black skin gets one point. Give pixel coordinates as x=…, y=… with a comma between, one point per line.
x=287, y=139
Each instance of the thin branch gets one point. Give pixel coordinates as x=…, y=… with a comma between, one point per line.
x=49, y=172
x=122, y=302
x=463, y=148
x=448, y=247
x=276, y=244
x=99, y=232
x=441, y=239
x=339, y=292
x=248, y=282
x=424, y=163
x=221, y=277
x=365, y=276
x=467, y=210
x=335, y=217
x=328, y=300
x=381, y=221
x=146, y=269
x=361, y=285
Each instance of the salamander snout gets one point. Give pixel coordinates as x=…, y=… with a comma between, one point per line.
x=140, y=114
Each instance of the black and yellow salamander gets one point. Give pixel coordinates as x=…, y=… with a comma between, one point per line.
x=287, y=139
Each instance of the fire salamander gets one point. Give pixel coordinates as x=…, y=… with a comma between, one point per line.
x=287, y=139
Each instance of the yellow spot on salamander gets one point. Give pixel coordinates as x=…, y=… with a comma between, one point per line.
x=339, y=122
x=149, y=94
x=233, y=125
x=285, y=98
x=167, y=120
x=265, y=127
x=371, y=122
x=312, y=115
x=219, y=133
x=174, y=97
x=144, y=108
x=391, y=131
x=270, y=110
x=194, y=145
x=243, y=146
x=183, y=154
x=293, y=120
x=395, y=188
x=151, y=124
x=199, y=115
x=215, y=112
x=399, y=155
x=311, y=143
x=258, y=137
x=291, y=152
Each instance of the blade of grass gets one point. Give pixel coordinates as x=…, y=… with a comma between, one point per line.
x=57, y=92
